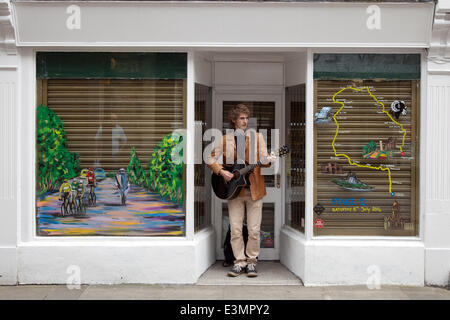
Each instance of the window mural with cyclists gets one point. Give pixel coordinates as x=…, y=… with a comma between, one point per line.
x=104, y=144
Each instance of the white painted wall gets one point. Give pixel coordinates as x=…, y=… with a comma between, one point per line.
x=295, y=70
x=250, y=74
x=202, y=69
x=9, y=133
x=437, y=177
x=107, y=262
x=323, y=262
x=205, y=250
x=355, y=262
x=8, y=265
x=8, y=154
x=205, y=24
x=293, y=251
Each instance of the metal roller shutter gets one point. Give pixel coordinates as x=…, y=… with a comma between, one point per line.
x=362, y=120
x=92, y=110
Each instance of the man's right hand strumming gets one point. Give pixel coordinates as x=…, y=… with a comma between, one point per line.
x=226, y=175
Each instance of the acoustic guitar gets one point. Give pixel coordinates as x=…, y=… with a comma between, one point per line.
x=229, y=190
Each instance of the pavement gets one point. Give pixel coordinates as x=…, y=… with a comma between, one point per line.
x=219, y=292
x=274, y=282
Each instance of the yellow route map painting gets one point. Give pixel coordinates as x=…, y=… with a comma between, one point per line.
x=353, y=163
x=366, y=138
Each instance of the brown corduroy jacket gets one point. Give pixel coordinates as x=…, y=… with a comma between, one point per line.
x=227, y=149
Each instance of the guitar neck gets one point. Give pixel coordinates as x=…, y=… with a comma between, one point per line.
x=281, y=152
x=250, y=167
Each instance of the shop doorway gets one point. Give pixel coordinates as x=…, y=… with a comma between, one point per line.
x=273, y=84
x=266, y=117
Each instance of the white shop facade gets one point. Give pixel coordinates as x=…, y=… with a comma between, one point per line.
x=106, y=84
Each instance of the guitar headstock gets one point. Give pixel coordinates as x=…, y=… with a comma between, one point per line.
x=284, y=150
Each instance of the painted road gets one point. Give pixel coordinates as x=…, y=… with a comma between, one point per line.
x=145, y=214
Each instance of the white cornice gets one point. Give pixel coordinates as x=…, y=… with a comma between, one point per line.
x=7, y=34
x=439, y=53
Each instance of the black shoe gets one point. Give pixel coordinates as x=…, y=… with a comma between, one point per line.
x=235, y=271
x=251, y=270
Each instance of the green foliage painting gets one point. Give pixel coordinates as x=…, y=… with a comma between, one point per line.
x=165, y=175
x=370, y=147
x=136, y=173
x=54, y=161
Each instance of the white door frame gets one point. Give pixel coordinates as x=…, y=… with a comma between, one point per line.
x=274, y=195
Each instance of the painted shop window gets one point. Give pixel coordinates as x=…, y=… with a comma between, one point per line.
x=366, y=144
x=109, y=158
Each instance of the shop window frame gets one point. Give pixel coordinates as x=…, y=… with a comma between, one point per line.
x=310, y=159
x=27, y=224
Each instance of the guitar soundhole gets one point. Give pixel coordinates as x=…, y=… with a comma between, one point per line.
x=236, y=174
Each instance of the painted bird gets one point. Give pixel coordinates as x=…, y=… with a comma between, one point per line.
x=397, y=108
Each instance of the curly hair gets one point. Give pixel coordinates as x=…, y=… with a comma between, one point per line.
x=236, y=111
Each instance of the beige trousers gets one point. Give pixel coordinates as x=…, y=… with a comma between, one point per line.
x=254, y=216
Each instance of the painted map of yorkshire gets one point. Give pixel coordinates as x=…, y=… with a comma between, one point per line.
x=380, y=150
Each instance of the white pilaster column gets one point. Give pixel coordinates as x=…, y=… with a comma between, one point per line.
x=436, y=141
x=8, y=147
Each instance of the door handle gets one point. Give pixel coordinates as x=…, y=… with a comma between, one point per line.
x=278, y=180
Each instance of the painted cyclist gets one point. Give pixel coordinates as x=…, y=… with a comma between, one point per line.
x=73, y=195
x=64, y=193
x=91, y=181
x=122, y=184
x=81, y=189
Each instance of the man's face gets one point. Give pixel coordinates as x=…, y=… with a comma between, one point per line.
x=241, y=122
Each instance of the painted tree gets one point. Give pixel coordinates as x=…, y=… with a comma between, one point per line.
x=165, y=173
x=136, y=174
x=370, y=147
x=54, y=161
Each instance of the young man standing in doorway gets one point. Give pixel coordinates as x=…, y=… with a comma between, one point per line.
x=242, y=145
